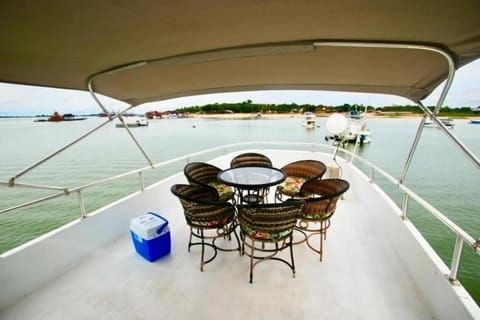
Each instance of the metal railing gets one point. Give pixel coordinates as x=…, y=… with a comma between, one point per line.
x=462, y=237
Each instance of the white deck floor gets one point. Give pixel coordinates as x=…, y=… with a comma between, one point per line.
x=351, y=282
x=361, y=277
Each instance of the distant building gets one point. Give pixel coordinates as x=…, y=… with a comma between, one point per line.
x=154, y=115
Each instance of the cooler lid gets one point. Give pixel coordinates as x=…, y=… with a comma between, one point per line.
x=149, y=225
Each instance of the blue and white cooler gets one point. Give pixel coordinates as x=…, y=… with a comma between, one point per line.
x=151, y=236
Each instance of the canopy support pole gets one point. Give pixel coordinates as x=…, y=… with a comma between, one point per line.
x=433, y=117
x=36, y=164
x=450, y=134
x=92, y=93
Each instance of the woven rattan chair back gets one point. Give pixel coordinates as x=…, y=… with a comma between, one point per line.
x=318, y=209
x=205, y=174
x=201, y=173
x=309, y=169
x=267, y=229
x=300, y=172
x=250, y=159
x=208, y=218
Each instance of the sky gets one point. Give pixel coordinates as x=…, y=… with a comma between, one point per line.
x=19, y=100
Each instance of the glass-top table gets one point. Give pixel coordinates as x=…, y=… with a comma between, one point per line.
x=252, y=183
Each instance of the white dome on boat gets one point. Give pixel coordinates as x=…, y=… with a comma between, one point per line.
x=337, y=124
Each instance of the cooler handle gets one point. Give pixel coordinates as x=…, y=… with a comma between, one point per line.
x=160, y=230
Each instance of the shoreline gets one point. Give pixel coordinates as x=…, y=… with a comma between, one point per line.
x=244, y=116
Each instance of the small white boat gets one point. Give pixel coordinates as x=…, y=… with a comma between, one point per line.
x=309, y=121
x=357, y=128
x=132, y=123
x=449, y=123
x=364, y=136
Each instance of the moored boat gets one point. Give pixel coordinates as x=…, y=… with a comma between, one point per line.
x=351, y=129
x=309, y=121
x=357, y=128
x=57, y=117
x=449, y=123
x=377, y=265
x=72, y=117
x=132, y=123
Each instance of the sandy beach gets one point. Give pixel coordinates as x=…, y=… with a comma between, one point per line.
x=299, y=115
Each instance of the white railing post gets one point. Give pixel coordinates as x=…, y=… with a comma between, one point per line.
x=457, y=255
x=405, y=206
x=372, y=174
x=142, y=182
x=81, y=204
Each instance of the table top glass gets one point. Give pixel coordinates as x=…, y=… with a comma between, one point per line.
x=252, y=177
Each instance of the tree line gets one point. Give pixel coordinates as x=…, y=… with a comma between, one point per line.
x=250, y=107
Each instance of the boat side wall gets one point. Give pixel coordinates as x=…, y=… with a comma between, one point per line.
x=427, y=270
x=36, y=263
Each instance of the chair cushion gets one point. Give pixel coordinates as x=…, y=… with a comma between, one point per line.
x=316, y=216
x=291, y=186
x=224, y=192
x=263, y=235
x=211, y=223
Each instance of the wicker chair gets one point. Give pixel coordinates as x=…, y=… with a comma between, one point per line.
x=318, y=209
x=205, y=174
x=208, y=218
x=298, y=173
x=267, y=229
x=250, y=159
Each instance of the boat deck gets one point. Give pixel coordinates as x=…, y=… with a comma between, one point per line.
x=360, y=277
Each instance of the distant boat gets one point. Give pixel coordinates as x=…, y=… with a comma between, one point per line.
x=72, y=117
x=111, y=114
x=357, y=128
x=132, y=123
x=474, y=122
x=449, y=123
x=56, y=117
x=309, y=121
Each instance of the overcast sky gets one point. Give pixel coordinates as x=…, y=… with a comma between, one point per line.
x=28, y=100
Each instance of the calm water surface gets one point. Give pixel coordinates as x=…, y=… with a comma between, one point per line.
x=438, y=172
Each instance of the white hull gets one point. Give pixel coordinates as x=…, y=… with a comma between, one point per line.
x=310, y=125
x=376, y=266
x=132, y=123
x=449, y=123
x=309, y=121
x=357, y=129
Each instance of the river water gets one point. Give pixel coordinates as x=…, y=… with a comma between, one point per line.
x=438, y=173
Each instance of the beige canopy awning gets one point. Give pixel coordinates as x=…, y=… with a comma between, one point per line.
x=178, y=48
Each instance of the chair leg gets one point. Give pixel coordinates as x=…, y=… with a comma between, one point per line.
x=324, y=224
x=202, y=261
x=291, y=255
x=190, y=239
x=233, y=226
x=321, y=244
x=251, y=260
x=242, y=239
